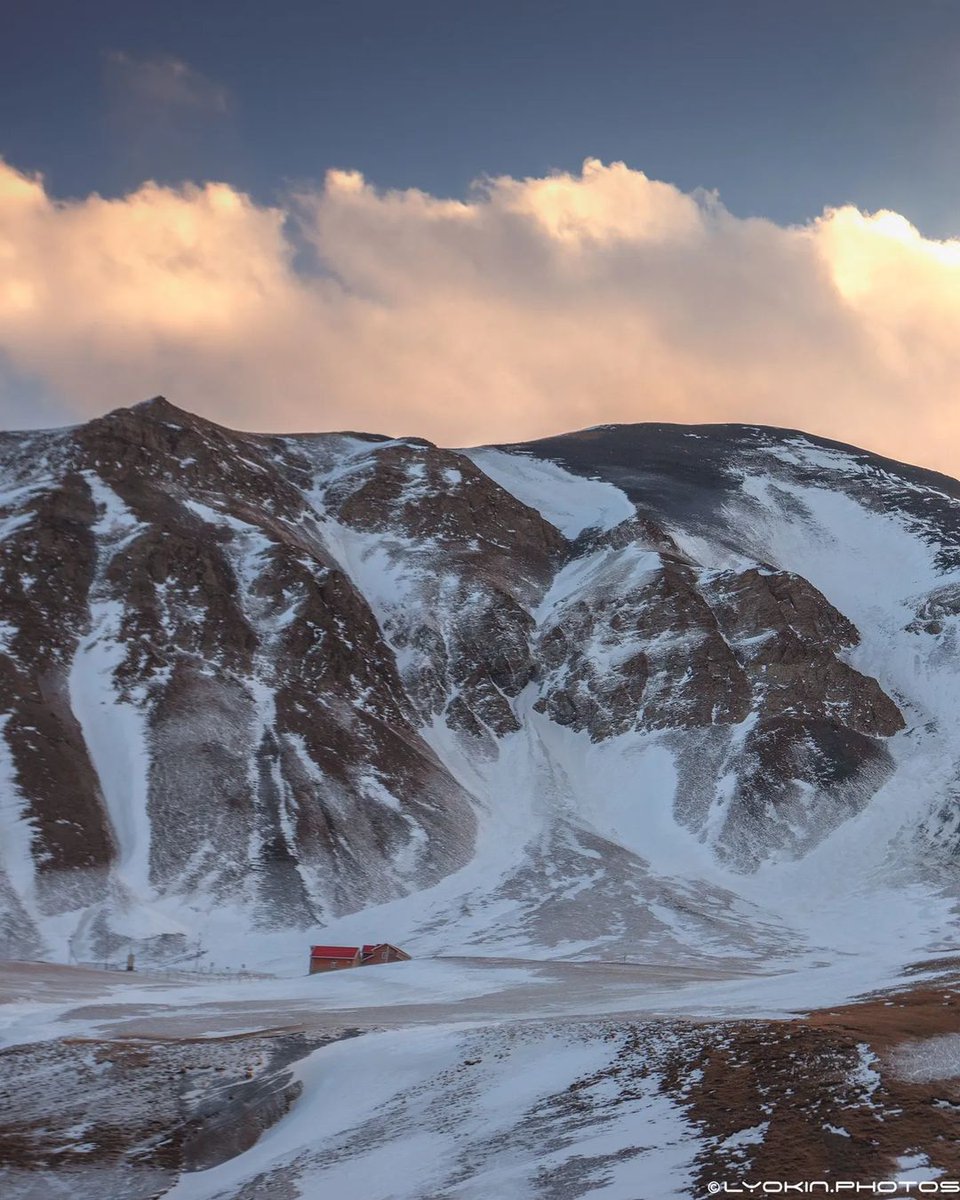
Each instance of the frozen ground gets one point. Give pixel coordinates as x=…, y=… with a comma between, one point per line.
x=459, y=1086
x=443, y=1079
x=39, y=1001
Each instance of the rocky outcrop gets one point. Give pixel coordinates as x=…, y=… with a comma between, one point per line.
x=173, y=578
x=652, y=658
x=479, y=558
x=790, y=641
x=47, y=563
x=709, y=650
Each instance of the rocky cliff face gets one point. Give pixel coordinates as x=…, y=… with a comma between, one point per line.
x=273, y=680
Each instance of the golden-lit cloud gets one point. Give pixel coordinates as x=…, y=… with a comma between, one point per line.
x=534, y=306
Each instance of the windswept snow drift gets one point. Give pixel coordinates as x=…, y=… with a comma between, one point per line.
x=471, y=1114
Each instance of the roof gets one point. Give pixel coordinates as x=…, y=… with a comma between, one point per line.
x=334, y=951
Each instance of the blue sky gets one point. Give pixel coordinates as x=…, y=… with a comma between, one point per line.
x=783, y=107
x=333, y=268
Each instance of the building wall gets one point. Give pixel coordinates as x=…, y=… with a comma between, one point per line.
x=384, y=954
x=331, y=964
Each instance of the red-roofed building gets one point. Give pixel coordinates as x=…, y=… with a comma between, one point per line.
x=328, y=958
x=332, y=958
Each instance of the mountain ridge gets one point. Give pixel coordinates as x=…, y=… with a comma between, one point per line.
x=634, y=654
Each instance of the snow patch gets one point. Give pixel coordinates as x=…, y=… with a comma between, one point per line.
x=18, y=830
x=571, y=503
x=928, y=1060
x=113, y=720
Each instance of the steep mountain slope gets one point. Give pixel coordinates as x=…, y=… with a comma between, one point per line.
x=650, y=690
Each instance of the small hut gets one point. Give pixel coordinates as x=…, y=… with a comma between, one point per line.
x=334, y=958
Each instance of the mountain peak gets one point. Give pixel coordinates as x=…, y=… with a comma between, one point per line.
x=158, y=408
x=154, y=412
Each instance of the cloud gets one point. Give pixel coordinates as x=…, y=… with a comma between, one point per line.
x=532, y=306
x=163, y=83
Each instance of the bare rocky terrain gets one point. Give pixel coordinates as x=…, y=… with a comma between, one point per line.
x=310, y=644
x=641, y=740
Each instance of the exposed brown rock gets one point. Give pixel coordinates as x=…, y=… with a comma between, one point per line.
x=423, y=492
x=226, y=595
x=669, y=665
x=788, y=636
x=46, y=568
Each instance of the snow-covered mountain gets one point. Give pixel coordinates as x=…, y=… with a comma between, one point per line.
x=661, y=691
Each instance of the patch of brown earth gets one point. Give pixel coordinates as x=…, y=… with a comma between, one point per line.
x=827, y=1089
